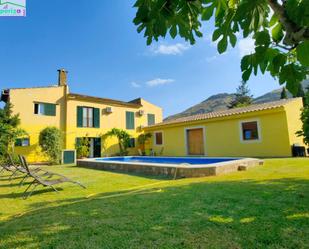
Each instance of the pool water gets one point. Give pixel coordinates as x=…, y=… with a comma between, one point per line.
x=166, y=160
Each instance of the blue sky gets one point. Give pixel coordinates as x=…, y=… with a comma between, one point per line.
x=97, y=43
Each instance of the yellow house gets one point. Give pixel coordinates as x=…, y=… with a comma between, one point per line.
x=262, y=130
x=77, y=116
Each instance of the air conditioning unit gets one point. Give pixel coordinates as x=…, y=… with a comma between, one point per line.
x=108, y=110
x=141, y=112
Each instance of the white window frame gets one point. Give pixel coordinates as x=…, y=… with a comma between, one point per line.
x=87, y=118
x=23, y=144
x=186, y=139
x=155, y=140
x=242, y=140
x=41, y=109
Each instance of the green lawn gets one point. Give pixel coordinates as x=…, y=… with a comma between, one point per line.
x=265, y=207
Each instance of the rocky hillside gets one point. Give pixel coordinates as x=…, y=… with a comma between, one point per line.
x=214, y=103
x=220, y=102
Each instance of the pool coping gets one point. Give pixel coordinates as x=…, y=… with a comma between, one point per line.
x=184, y=166
x=191, y=170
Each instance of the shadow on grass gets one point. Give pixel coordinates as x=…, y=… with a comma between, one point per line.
x=11, y=184
x=235, y=214
x=21, y=194
x=7, y=177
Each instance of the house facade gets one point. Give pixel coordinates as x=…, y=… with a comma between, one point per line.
x=263, y=130
x=77, y=116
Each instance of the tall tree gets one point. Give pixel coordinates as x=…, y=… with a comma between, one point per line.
x=280, y=29
x=283, y=94
x=9, y=129
x=243, y=96
x=305, y=119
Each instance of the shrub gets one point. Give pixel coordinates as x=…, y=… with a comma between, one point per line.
x=50, y=141
x=82, y=147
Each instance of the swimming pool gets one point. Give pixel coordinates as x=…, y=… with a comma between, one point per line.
x=176, y=167
x=167, y=160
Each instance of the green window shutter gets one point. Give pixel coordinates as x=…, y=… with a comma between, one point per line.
x=79, y=116
x=78, y=142
x=127, y=120
x=18, y=142
x=130, y=125
x=96, y=117
x=151, y=119
x=49, y=109
x=132, y=120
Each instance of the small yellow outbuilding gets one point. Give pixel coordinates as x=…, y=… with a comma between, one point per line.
x=260, y=130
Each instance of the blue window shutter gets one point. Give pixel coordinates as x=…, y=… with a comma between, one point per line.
x=96, y=117
x=79, y=116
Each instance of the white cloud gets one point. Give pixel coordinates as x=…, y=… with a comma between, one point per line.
x=211, y=58
x=135, y=85
x=215, y=57
x=208, y=39
x=174, y=49
x=158, y=82
x=246, y=46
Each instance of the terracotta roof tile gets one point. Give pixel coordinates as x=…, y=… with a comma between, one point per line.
x=225, y=113
x=103, y=100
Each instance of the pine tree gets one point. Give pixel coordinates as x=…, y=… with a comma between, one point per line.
x=9, y=123
x=283, y=94
x=243, y=96
x=305, y=119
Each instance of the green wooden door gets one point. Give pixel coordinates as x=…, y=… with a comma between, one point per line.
x=68, y=157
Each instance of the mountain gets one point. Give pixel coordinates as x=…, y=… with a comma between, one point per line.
x=271, y=96
x=216, y=102
x=221, y=101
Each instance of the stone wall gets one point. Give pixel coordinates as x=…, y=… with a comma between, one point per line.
x=170, y=170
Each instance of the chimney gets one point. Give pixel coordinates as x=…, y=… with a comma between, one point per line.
x=62, y=77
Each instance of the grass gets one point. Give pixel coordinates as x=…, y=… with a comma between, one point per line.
x=265, y=207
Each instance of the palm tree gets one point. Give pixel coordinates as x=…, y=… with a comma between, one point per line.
x=123, y=139
x=142, y=138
